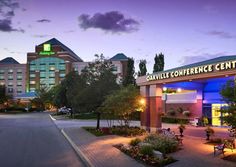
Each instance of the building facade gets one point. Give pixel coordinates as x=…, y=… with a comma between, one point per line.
x=193, y=89
x=13, y=76
x=48, y=66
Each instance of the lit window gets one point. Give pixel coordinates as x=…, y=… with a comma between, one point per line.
x=32, y=82
x=2, y=83
x=2, y=71
x=1, y=77
x=10, y=71
x=19, y=83
x=10, y=90
x=10, y=84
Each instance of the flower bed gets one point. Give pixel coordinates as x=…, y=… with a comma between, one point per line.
x=136, y=152
x=116, y=130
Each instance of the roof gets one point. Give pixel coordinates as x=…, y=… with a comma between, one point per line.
x=202, y=63
x=9, y=60
x=119, y=57
x=54, y=41
x=28, y=95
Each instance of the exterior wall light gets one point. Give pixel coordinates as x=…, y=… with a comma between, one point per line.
x=179, y=90
x=164, y=89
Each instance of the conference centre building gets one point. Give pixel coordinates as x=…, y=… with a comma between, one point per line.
x=190, y=91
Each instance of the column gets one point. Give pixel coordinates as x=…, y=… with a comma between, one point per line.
x=156, y=107
x=145, y=115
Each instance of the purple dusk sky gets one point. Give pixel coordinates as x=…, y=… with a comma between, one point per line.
x=186, y=31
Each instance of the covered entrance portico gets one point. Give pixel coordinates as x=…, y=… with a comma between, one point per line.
x=194, y=88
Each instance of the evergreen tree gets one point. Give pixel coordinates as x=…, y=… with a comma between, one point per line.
x=159, y=63
x=129, y=78
x=142, y=68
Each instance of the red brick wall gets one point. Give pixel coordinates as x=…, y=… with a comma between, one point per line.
x=194, y=108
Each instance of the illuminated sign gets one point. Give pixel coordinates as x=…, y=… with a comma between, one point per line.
x=47, y=50
x=192, y=71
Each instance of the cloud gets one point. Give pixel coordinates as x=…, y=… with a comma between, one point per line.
x=7, y=8
x=113, y=21
x=197, y=58
x=43, y=21
x=6, y=26
x=41, y=36
x=221, y=34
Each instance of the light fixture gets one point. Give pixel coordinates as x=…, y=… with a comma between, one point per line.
x=164, y=89
x=179, y=90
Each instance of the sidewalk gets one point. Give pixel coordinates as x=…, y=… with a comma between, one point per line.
x=99, y=150
x=197, y=154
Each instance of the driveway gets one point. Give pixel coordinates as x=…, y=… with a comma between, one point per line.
x=33, y=140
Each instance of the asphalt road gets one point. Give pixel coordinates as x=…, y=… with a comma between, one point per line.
x=33, y=140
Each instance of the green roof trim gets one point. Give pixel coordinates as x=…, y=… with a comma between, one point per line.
x=202, y=63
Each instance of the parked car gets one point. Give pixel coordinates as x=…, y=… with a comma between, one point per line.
x=64, y=110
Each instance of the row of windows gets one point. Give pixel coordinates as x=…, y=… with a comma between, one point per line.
x=10, y=71
x=10, y=77
x=11, y=90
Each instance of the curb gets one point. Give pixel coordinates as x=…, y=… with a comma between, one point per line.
x=81, y=155
x=52, y=118
x=78, y=152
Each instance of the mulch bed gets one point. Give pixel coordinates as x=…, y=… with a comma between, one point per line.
x=231, y=158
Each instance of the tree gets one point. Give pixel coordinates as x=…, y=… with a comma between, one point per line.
x=228, y=92
x=159, y=63
x=142, y=68
x=3, y=96
x=122, y=103
x=43, y=97
x=100, y=82
x=129, y=78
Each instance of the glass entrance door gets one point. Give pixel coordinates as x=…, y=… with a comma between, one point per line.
x=216, y=114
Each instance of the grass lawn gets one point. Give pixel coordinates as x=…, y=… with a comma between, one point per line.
x=94, y=131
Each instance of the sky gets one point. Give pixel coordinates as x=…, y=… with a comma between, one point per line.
x=185, y=31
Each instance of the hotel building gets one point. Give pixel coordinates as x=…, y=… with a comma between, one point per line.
x=48, y=66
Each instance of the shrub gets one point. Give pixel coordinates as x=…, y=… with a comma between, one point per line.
x=186, y=113
x=180, y=110
x=135, y=142
x=174, y=120
x=146, y=150
x=162, y=143
x=127, y=131
x=171, y=112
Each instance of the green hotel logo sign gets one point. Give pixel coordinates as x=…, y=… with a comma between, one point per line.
x=47, y=50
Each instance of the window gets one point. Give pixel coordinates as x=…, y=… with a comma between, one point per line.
x=19, y=77
x=32, y=75
x=1, y=77
x=32, y=67
x=19, y=70
x=19, y=90
x=10, y=84
x=62, y=75
x=10, y=71
x=2, y=71
x=10, y=77
x=10, y=90
x=32, y=89
x=51, y=74
x=2, y=83
x=19, y=83
x=32, y=82
x=42, y=74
